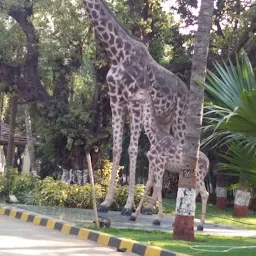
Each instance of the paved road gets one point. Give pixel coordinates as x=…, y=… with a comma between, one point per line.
x=19, y=238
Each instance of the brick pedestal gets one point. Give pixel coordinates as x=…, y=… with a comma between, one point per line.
x=221, y=203
x=184, y=228
x=240, y=211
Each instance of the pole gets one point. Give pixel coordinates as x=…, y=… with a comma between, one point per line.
x=89, y=162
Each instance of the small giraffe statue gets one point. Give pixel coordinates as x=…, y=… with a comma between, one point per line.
x=127, y=74
x=165, y=153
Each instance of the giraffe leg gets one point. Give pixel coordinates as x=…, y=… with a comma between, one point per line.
x=204, y=197
x=151, y=203
x=202, y=169
x=159, y=183
x=117, y=124
x=146, y=191
x=135, y=129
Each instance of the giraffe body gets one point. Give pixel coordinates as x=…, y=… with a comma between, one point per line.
x=165, y=154
x=126, y=76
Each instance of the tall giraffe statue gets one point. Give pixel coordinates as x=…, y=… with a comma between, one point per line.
x=127, y=74
x=165, y=154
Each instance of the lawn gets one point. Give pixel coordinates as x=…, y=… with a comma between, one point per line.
x=164, y=240
x=215, y=215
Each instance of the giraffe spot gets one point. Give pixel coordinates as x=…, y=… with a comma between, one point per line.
x=100, y=29
x=95, y=23
x=113, y=50
x=182, y=141
x=95, y=14
x=183, y=127
x=105, y=36
x=96, y=6
x=116, y=31
x=110, y=79
x=114, y=112
x=103, y=22
x=125, y=95
x=90, y=5
x=128, y=79
x=136, y=112
x=119, y=43
x=177, y=157
x=121, y=55
x=113, y=99
x=110, y=27
x=112, y=39
x=114, y=70
x=102, y=12
x=127, y=46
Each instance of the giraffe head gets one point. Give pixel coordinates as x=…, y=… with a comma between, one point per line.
x=141, y=96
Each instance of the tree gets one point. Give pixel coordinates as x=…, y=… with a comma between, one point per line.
x=185, y=204
x=11, y=145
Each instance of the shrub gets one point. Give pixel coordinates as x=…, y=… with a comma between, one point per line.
x=102, y=175
x=7, y=181
x=23, y=185
x=121, y=194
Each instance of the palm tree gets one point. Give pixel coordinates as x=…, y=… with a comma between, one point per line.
x=232, y=121
x=184, y=219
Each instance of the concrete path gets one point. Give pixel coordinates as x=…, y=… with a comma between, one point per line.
x=86, y=217
x=19, y=238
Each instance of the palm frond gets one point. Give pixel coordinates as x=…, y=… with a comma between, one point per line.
x=235, y=117
x=240, y=161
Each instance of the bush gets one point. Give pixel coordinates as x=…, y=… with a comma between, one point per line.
x=121, y=194
x=48, y=192
x=7, y=181
x=102, y=175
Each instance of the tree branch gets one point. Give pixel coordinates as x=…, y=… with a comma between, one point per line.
x=28, y=84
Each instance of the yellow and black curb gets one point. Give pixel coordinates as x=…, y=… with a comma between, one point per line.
x=98, y=237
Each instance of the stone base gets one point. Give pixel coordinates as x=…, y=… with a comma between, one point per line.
x=184, y=228
x=240, y=210
x=221, y=203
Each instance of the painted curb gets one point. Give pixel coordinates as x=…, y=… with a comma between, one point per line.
x=95, y=236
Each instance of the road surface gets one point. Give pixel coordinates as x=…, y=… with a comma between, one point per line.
x=19, y=238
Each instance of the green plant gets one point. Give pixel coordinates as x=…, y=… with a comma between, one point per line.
x=7, y=181
x=121, y=194
x=102, y=175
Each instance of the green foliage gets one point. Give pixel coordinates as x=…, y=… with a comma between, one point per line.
x=234, y=115
x=121, y=194
x=102, y=175
x=7, y=181
x=49, y=192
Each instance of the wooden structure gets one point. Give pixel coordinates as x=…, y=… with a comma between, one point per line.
x=19, y=140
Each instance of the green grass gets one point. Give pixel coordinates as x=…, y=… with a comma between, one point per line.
x=215, y=215
x=164, y=240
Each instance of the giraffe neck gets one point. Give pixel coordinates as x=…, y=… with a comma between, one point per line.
x=118, y=42
x=149, y=121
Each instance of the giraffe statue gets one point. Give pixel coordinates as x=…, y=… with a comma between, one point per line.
x=165, y=153
x=127, y=74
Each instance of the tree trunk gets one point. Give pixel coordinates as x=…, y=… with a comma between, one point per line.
x=30, y=142
x=11, y=146
x=185, y=204
x=221, y=192
x=242, y=199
